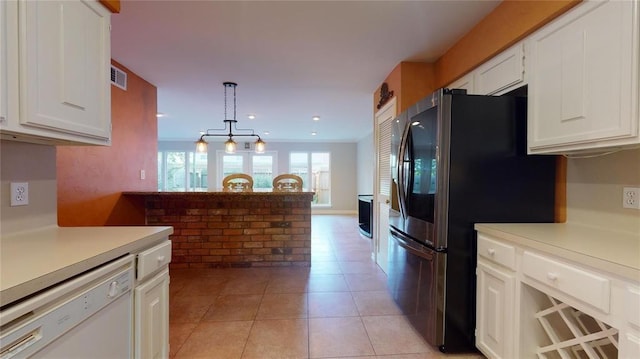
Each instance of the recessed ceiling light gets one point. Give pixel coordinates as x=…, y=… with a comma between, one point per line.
x=316, y=118
x=267, y=132
x=160, y=114
x=314, y=133
x=251, y=116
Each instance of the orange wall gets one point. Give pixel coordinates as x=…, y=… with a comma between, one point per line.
x=91, y=178
x=508, y=23
x=409, y=81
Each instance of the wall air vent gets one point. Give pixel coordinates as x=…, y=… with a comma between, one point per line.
x=118, y=77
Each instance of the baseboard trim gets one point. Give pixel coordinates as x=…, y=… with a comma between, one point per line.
x=333, y=211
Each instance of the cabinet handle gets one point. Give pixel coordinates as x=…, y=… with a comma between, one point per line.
x=387, y=201
x=491, y=251
x=552, y=277
x=160, y=259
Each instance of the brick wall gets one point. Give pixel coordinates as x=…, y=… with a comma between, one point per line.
x=215, y=229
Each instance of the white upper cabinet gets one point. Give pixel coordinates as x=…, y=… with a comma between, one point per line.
x=58, y=63
x=466, y=82
x=502, y=73
x=497, y=76
x=583, y=79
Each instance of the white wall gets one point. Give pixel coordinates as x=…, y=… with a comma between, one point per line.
x=366, y=165
x=343, y=167
x=36, y=165
x=594, y=190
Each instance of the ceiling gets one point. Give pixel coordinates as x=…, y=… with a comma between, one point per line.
x=292, y=60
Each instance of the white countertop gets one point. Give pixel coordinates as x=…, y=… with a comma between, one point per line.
x=614, y=252
x=33, y=260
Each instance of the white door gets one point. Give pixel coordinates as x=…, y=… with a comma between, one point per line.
x=383, y=119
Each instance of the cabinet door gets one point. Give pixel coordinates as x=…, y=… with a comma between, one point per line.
x=152, y=317
x=494, y=311
x=466, y=82
x=583, y=79
x=64, y=49
x=502, y=73
x=630, y=345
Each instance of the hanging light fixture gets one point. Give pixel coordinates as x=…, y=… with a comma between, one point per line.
x=230, y=144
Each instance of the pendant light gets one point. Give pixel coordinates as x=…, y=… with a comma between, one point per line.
x=230, y=145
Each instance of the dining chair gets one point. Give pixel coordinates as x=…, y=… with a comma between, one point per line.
x=237, y=182
x=287, y=183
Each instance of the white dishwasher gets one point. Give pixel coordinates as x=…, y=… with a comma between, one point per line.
x=88, y=316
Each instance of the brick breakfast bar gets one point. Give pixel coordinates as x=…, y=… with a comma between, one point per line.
x=233, y=229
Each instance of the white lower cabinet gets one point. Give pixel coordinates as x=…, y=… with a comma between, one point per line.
x=631, y=348
x=534, y=303
x=151, y=302
x=152, y=317
x=494, y=316
x=631, y=335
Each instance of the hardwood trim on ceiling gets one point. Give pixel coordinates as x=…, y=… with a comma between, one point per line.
x=112, y=5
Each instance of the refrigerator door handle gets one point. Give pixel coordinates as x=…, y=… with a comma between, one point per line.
x=401, y=173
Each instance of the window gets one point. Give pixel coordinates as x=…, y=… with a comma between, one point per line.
x=260, y=166
x=182, y=171
x=315, y=170
x=299, y=165
x=262, y=171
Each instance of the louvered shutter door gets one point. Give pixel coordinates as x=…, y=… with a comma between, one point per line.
x=384, y=152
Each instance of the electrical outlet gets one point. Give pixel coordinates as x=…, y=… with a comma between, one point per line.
x=631, y=197
x=19, y=194
x=142, y=175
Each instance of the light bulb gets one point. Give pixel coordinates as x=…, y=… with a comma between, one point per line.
x=260, y=145
x=230, y=146
x=201, y=146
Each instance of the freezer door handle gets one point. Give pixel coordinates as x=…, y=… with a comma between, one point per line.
x=413, y=248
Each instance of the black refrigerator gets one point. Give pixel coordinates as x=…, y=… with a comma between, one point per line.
x=456, y=160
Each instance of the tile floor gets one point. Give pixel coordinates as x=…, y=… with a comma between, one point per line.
x=338, y=308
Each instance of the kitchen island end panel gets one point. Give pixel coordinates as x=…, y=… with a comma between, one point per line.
x=234, y=229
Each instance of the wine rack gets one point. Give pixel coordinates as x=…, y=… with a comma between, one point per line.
x=573, y=334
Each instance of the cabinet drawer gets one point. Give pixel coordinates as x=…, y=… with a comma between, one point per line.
x=576, y=282
x=497, y=252
x=153, y=258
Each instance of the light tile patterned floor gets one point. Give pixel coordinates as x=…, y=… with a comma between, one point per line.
x=338, y=308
